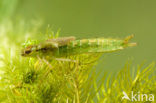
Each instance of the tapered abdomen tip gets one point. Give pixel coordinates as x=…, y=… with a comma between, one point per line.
x=132, y=44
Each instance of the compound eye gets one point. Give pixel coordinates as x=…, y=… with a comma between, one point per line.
x=28, y=52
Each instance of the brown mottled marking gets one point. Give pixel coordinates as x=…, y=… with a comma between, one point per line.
x=62, y=40
x=26, y=51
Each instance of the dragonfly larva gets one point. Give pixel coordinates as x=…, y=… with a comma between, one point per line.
x=66, y=46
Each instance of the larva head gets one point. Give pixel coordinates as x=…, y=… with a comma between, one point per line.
x=126, y=42
x=29, y=48
x=29, y=51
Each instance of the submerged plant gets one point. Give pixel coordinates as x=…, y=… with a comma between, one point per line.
x=42, y=80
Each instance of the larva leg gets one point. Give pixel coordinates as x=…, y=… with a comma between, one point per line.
x=66, y=60
x=45, y=61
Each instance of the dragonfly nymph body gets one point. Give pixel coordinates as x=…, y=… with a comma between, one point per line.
x=67, y=46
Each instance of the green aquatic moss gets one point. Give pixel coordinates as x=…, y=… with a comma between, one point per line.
x=27, y=80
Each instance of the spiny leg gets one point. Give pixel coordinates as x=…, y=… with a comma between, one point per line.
x=45, y=61
x=66, y=60
x=47, y=72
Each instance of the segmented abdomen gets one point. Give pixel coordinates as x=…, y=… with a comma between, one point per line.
x=90, y=46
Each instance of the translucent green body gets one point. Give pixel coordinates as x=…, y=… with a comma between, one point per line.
x=67, y=46
x=89, y=46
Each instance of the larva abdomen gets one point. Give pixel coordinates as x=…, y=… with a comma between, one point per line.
x=95, y=45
